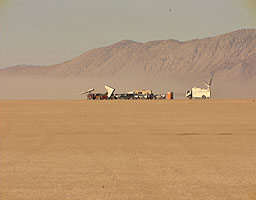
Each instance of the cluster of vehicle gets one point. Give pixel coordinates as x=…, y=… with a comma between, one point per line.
x=97, y=96
x=135, y=94
x=194, y=93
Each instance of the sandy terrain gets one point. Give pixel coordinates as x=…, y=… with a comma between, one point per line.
x=177, y=149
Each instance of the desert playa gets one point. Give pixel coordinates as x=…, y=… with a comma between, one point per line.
x=180, y=149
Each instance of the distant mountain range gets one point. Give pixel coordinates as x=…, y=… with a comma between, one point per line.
x=227, y=57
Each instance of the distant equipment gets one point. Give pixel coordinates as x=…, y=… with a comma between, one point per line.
x=142, y=94
x=99, y=96
x=110, y=90
x=159, y=96
x=87, y=91
x=131, y=95
x=169, y=95
x=200, y=93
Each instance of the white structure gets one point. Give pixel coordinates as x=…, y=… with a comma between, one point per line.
x=200, y=93
x=87, y=91
x=110, y=90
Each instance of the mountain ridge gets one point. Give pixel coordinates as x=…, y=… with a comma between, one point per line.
x=230, y=58
x=210, y=55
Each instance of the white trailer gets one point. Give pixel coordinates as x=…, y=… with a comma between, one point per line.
x=200, y=93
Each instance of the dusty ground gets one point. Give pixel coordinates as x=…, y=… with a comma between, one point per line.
x=128, y=149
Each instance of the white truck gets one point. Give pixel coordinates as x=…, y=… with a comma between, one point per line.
x=200, y=93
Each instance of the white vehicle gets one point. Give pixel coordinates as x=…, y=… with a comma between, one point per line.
x=200, y=93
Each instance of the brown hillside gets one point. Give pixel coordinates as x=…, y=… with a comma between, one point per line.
x=158, y=65
x=231, y=55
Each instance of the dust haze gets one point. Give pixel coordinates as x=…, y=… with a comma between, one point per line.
x=68, y=88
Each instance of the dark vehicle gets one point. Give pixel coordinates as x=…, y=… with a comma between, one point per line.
x=97, y=96
x=116, y=96
x=127, y=96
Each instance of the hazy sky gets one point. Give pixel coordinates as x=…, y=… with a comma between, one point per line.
x=43, y=32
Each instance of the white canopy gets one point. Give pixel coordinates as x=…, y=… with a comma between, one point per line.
x=110, y=90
